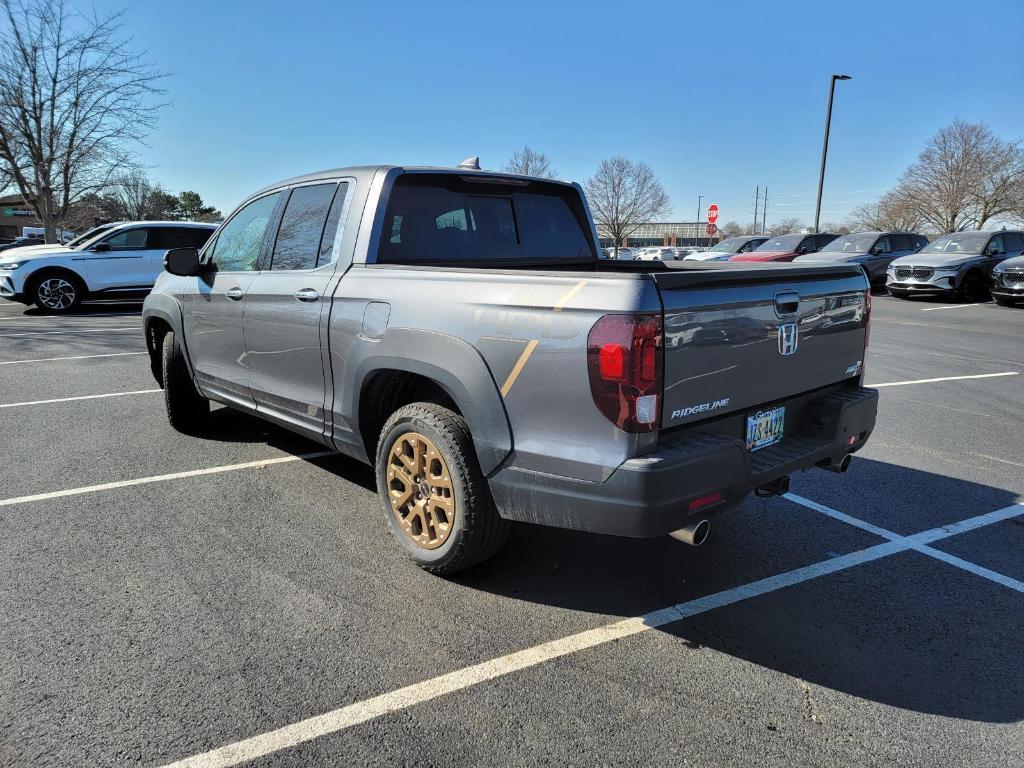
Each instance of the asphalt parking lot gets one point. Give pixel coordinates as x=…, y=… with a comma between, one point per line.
x=238, y=597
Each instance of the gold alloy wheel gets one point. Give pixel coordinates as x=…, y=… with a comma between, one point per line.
x=420, y=490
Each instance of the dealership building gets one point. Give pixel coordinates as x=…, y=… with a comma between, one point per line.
x=14, y=215
x=664, y=233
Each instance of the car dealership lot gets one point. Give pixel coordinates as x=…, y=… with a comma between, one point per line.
x=149, y=623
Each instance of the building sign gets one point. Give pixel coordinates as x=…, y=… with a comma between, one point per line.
x=18, y=212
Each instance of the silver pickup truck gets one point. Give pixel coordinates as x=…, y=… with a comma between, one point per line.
x=458, y=330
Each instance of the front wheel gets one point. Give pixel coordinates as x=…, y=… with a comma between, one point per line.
x=187, y=409
x=57, y=293
x=972, y=287
x=436, y=499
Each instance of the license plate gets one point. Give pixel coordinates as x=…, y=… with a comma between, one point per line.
x=765, y=428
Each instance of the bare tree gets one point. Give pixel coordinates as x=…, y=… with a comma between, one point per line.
x=785, y=226
x=894, y=211
x=526, y=162
x=74, y=97
x=964, y=177
x=623, y=195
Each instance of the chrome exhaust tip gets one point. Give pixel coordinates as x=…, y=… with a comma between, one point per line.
x=694, y=535
x=840, y=466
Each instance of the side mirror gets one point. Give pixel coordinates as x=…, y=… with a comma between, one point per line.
x=101, y=247
x=183, y=262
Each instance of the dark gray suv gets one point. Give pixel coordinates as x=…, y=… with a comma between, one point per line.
x=958, y=264
x=872, y=251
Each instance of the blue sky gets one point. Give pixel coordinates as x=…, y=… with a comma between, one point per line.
x=716, y=97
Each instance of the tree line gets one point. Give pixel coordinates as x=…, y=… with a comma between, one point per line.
x=76, y=100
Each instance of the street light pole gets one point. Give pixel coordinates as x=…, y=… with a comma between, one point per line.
x=824, y=146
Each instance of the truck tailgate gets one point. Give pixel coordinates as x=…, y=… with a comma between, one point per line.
x=736, y=339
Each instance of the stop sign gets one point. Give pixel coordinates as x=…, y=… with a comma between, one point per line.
x=710, y=229
x=713, y=213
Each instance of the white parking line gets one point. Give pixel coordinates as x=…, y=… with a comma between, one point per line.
x=71, y=330
x=161, y=478
x=71, y=317
x=916, y=541
x=955, y=306
x=403, y=698
x=945, y=378
x=72, y=357
x=80, y=397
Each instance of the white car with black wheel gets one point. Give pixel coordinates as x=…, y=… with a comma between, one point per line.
x=120, y=261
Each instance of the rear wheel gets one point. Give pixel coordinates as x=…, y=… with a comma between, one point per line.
x=436, y=499
x=57, y=292
x=187, y=409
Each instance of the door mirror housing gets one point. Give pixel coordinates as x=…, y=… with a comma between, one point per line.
x=183, y=262
x=101, y=247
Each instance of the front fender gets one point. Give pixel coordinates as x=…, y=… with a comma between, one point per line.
x=156, y=308
x=455, y=365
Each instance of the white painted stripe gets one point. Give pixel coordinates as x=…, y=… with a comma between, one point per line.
x=917, y=540
x=65, y=318
x=974, y=568
x=403, y=698
x=80, y=397
x=161, y=478
x=72, y=357
x=955, y=306
x=944, y=378
x=70, y=330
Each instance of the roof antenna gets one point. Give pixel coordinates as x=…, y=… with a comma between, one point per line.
x=470, y=163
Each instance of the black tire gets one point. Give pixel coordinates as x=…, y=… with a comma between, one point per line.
x=187, y=410
x=477, y=532
x=972, y=287
x=56, y=293
x=1003, y=302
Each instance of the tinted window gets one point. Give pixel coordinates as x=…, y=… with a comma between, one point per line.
x=298, y=238
x=823, y=240
x=128, y=239
x=439, y=219
x=884, y=245
x=180, y=237
x=784, y=243
x=995, y=245
x=1013, y=241
x=900, y=242
x=327, y=254
x=240, y=240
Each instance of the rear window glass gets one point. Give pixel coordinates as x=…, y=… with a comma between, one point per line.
x=298, y=238
x=449, y=219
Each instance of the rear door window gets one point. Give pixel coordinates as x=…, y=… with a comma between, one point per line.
x=1013, y=241
x=900, y=242
x=180, y=237
x=129, y=239
x=449, y=219
x=334, y=226
x=302, y=226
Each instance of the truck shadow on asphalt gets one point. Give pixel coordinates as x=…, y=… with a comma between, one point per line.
x=906, y=630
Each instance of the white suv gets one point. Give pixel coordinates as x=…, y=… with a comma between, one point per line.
x=119, y=260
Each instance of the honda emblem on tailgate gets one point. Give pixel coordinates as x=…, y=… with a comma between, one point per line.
x=788, y=338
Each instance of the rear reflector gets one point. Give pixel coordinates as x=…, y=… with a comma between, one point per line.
x=705, y=501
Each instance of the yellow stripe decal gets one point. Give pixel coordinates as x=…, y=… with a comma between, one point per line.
x=532, y=345
x=560, y=304
x=518, y=367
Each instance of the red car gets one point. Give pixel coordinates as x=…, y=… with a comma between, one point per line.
x=786, y=247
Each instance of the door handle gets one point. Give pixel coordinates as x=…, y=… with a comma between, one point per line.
x=307, y=294
x=235, y=294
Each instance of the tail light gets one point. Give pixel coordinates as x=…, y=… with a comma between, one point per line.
x=625, y=364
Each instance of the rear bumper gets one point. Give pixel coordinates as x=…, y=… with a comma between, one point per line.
x=651, y=495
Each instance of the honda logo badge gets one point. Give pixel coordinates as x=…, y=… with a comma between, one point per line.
x=788, y=338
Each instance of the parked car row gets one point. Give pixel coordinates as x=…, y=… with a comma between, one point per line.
x=113, y=260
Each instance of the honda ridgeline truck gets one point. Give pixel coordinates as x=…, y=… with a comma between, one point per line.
x=458, y=330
